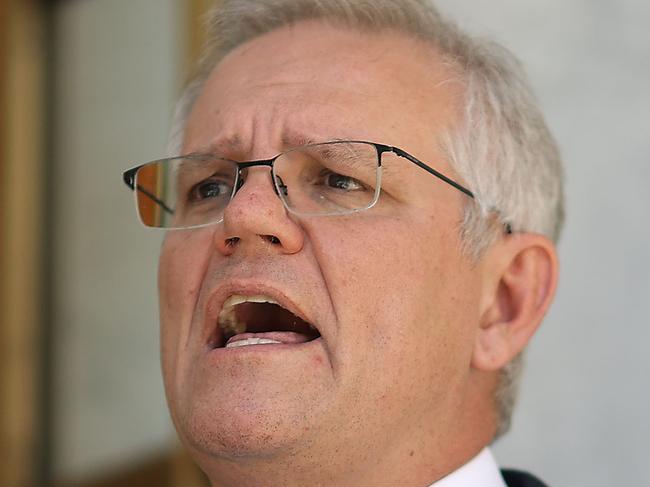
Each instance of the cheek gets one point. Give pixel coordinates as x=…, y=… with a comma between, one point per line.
x=183, y=262
x=390, y=258
x=397, y=287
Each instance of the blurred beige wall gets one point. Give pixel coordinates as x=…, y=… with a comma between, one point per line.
x=118, y=70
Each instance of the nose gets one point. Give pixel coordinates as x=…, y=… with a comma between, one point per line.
x=257, y=220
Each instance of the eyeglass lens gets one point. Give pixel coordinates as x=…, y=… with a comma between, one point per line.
x=320, y=179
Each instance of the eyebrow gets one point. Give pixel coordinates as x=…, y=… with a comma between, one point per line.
x=235, y=145
x=190, y=162
x=219, y=147
x=291, y=140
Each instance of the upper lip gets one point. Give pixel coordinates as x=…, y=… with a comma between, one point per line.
x=217, y=298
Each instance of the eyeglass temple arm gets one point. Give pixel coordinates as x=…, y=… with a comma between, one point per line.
x=431, y=170
x=507, y=226
x=129, y=180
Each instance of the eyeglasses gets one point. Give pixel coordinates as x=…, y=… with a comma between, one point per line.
x=324, y=179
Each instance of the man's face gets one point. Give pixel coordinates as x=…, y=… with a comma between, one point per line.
x=393, y=300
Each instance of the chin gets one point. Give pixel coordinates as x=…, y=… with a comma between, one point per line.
x=244, y=428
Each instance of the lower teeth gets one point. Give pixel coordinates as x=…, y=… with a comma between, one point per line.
x=251, y=341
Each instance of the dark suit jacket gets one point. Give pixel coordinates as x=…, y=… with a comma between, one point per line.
x=515, y=478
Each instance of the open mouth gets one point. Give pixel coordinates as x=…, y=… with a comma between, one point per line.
x=259, y=320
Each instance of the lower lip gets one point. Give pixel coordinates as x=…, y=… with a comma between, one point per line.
x=273, y=348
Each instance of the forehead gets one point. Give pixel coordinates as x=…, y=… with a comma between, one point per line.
x=311, y=82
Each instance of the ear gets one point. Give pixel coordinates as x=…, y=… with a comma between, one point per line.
x=520, y=278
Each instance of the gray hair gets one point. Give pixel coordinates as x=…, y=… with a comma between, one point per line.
x=503, y=150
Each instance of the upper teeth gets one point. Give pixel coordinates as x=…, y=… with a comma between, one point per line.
x=228, y=318
x=236, y=299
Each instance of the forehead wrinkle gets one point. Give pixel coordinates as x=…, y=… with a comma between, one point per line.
x=289, y=139
x=221, y=145
x=246, y=129
x=233, y=140
x=256, y=132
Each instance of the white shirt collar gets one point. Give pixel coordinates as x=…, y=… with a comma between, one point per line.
x=481, y=471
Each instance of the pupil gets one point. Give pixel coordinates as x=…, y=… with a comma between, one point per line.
x=340, y=182
x=209, y=190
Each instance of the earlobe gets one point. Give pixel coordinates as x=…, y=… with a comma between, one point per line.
x=521, y=278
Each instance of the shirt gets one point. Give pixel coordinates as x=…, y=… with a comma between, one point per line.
x=481, y=471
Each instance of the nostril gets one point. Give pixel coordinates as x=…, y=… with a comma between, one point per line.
x=272, y=239
x=231, y=242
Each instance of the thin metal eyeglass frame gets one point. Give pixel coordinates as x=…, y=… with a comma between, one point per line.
x=129, y=177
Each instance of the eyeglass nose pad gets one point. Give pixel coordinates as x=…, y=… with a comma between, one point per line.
x=240, y=183
x=283, y=187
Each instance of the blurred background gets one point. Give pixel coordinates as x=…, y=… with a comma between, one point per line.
x=87, y=89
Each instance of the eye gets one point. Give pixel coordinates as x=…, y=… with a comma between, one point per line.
x=344, y=183
x=209, y=189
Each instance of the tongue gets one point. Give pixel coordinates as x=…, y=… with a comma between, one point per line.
x=286, y=337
